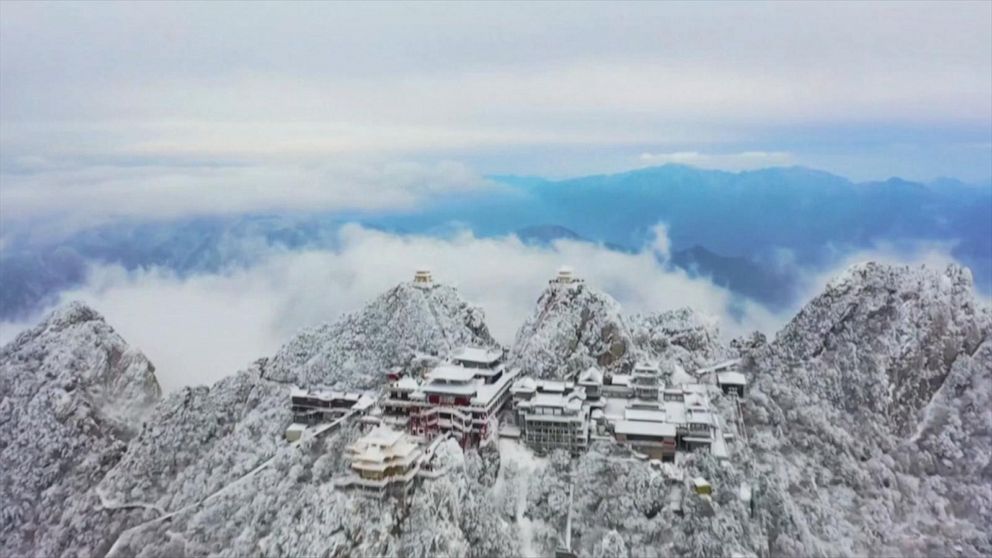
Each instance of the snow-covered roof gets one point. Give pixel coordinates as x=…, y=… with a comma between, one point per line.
x=407, y=383
x=695, y=401
x=591, y=375
x=700, y=417
x=327, y=395
x=524, y=385
x=466, y=388
x=382, y=436
x=572, y=401
x=364, y=402
x=477, y=354
x=485, y=393
x=700, y=482
x=694, y=388
x=449, y=373
x=644, y=415
x=296, y=427
x=646, y=368
x=719, y=366
x=552, y=386
x=731, y=378
x=674, y=411
x=641, y=428
x=621, y=380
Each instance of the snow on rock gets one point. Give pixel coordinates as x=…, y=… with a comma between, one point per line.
x=359, y=349
x=683, y=336
x=869, y=419
x=573, y=327
x=72, y=394
x=215, y=461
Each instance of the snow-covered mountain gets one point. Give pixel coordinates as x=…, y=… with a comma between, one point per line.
x=682, y=336
x=404, y=323
x=573, y=327
x=867, y=433
x=871, y=419
x=73, y=394
x=182, y=485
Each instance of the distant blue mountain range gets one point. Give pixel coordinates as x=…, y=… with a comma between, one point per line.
x=731, y=227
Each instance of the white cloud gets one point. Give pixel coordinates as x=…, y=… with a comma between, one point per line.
x=88, y=194
x=662, y=245
x=405, y=82
x=202, y=328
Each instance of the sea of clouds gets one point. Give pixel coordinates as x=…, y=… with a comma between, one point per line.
x=198, y=329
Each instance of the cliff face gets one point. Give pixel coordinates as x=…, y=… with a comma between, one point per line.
x=870, y=411
x=573, y=327
x=72, y=394
x=681, y=336
x=576, y=326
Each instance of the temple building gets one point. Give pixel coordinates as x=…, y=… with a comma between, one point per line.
x=422, y=278
x=566, y=276
x=731, y=382
x=591, y=380
x=384, y=462
x=462, y=397
x=312, y=407
x=654, y=438
x=553, y=420
x=646, y=381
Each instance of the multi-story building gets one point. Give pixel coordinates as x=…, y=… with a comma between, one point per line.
x=646, y=382
x=312, y=407
x=656, y=439
x=698, y=429
x=524, y=389
x=592, y=381
x=550, y=421
x=731, y=382
x=384, y=462
x=693, y=419
x=463, y=399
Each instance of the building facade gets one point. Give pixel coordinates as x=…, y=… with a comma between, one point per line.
x=313, y=407
x=731, y=382
x=462, y=398
x=552, y=415
x=384, y=462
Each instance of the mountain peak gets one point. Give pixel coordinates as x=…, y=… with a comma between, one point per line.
x=870, y=274
x=415, y=320
x=887, y=337
x=573, y=327
x=72, y=394
x=74, y=313
x=877, y=382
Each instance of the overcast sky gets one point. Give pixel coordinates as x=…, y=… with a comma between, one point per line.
x=164, y=110
x=865, y=90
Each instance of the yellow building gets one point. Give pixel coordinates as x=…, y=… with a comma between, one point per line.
x=383, y=462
